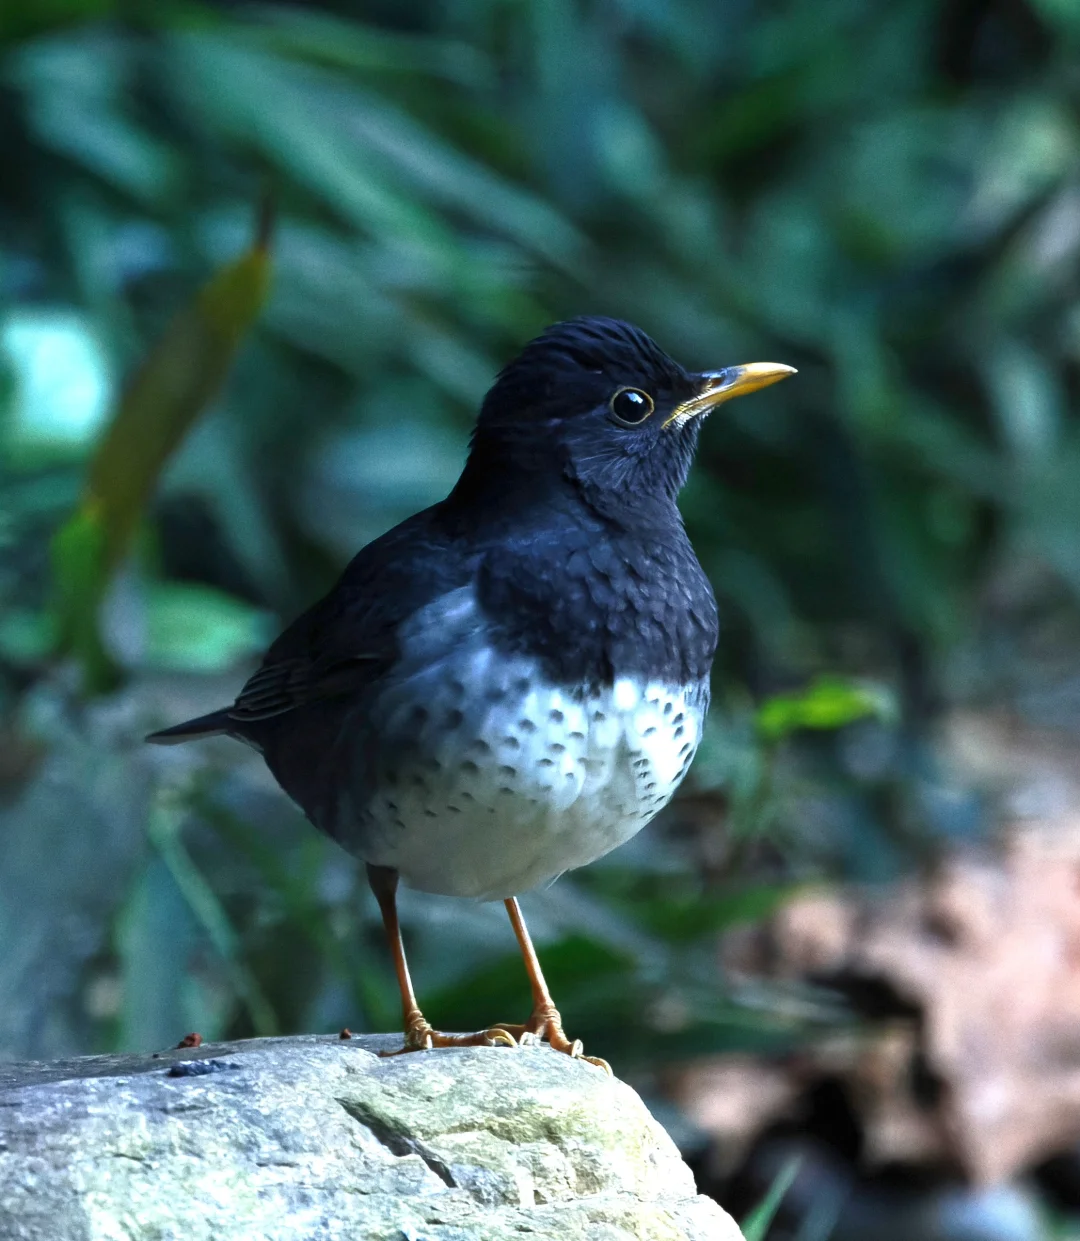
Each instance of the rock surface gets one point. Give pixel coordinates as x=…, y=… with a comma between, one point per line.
x=311, y=1138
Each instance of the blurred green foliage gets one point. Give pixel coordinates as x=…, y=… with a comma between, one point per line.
x=179, y=376
x=885, y=196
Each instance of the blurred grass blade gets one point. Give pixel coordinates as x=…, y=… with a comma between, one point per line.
x=164, y=833
x=172, y=387
x=756, y=1225
x=378, y=1004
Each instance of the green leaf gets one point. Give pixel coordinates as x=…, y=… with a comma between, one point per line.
x=679, y=908
x=682, y=919
x=568, y=964
x=26, y=636
x=827, y=703
x=194, y=628
x=756, y=1225
x=79, y=577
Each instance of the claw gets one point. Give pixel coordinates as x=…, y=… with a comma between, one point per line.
x=421, y=1037
x=515, y=1031
x=498, y=1037
x=546, y=1023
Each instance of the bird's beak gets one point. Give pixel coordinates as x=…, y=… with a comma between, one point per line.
x=720, y=386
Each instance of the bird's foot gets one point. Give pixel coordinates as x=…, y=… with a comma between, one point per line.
x=419, y=1036
x=546, y=1023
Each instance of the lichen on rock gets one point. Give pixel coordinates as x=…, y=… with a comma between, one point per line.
x=301, y=1139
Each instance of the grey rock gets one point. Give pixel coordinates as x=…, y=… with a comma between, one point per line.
x=312, y=1138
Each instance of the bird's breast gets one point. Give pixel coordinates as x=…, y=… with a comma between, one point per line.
x=484, y=778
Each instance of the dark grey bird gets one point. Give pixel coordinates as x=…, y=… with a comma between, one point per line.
x=513, y=682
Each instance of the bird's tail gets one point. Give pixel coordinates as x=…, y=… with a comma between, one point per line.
x=212, y=725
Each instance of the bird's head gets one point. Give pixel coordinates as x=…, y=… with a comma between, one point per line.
x=599, y=401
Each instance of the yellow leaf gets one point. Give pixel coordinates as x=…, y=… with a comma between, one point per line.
x=172, y=387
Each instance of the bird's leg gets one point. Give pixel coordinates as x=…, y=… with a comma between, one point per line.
x=419, y=1036
x=545, y=1021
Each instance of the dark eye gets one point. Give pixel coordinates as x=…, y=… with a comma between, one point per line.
x=631, y=406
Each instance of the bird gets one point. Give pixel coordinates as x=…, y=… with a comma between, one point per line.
x=513, y=682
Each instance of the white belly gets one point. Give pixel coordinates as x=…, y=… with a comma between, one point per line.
x=534, y=783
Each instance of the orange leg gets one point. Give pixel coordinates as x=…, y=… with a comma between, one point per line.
x=419, y=1036
x=545, y=1021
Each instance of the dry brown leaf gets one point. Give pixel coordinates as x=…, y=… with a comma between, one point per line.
x=979, y=1065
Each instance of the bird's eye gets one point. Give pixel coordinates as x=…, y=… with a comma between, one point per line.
x=631, y=406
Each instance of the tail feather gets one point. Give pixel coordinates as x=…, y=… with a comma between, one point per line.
x=212, y=725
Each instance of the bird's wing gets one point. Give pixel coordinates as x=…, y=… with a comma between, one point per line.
x=284, y=684
x=295, y=672
x=351, y=636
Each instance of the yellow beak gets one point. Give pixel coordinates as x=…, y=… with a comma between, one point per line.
x=721, y=386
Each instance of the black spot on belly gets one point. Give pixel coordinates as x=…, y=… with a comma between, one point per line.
x=685, y=748
x=511, y=743
x=480, y=746
x=522, y=685
x=576, y=736
x=457, y=687
x=419, y=715
x=668, y=708
x=557, y=747
x=506, y=790
x=471, y=767
x=679, y=732
x=556, y=717
x=547, y=762
x=430, y=814
x=679, y=718
x=527, y=726
x=648, y=732
x=496, y=694
x=454, y=809
x=454, y=720
x=598, y=717
x=506, y=770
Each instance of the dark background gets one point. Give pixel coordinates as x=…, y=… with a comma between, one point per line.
x=886, y=196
